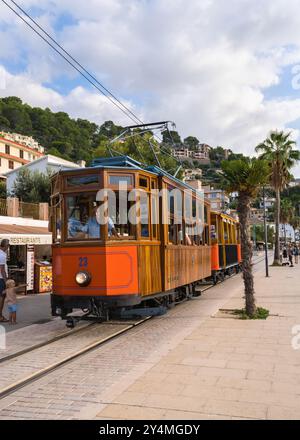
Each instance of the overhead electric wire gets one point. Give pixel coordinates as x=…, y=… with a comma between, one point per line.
x=112, y=98
x=74, y=66
x=74, y=59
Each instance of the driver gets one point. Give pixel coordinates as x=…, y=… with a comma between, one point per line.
x=92, y=227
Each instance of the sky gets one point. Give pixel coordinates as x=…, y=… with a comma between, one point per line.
x=225, y=72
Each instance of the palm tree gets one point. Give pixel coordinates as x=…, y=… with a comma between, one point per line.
x=245, y=176
x=278, y=150
x=286, y=214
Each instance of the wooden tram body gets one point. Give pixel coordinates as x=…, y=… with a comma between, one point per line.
x=146, y=263
x=225, y=245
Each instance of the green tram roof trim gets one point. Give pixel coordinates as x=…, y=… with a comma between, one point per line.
x=126, y=162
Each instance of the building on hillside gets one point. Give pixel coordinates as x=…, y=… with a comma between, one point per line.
x=219, y=201
x=200, y=153
x=269, y=203
x=192, y=174
x=17, y=150
x=181, y=153
x=43, y=164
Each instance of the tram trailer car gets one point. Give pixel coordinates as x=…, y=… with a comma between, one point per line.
x=226, y=254
x=101, y=268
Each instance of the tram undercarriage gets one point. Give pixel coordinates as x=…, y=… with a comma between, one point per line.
x=101, y=309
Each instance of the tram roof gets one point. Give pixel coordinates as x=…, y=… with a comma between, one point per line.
x=126, y=162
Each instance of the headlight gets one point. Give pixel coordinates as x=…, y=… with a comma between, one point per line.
x=83, y=278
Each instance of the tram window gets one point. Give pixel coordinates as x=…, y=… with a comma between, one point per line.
x=115, y=180
x=85, y=181
x=145, y=214
x=120, y=212
x=82, y=217
x=143, y=182
x=172, y=233
x=55, y=219
x=154, y=215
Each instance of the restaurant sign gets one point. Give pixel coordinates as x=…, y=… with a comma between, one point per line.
x=25, y=239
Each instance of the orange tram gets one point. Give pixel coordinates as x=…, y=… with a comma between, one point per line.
x=106, y=267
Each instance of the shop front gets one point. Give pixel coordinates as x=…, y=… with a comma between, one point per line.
x=29, y=257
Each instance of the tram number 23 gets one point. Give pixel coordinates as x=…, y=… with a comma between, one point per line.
x=83, y=261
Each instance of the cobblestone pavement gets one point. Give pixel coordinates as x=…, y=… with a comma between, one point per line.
x=80, y=389
x=190, y=363
x=32, y=335
x=226, y=367
x=24, y=366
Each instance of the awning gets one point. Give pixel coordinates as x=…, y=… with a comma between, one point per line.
x=22, y=235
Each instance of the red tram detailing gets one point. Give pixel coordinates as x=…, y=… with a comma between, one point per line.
x=104, y=268
x=112, y=270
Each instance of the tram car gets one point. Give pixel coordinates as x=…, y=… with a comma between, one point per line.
x=102, y=263
x=226, y=254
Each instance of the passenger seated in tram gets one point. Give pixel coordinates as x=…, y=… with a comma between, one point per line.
x=89, y=228
x=92, y=226
x=74, y=225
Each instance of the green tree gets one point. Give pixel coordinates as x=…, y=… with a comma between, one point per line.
x=245, y=177
x=278, y=150
x=32, y=187
x=171, y=137
x=3, y=193
x=191, y=142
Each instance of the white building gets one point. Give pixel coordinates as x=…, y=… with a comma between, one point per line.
x=43, y=164
x=218, y=199
x=17, y=150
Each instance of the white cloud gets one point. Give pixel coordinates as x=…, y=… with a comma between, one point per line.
x=205, y=65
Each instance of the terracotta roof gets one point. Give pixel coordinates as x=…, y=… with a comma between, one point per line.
x=17, y=229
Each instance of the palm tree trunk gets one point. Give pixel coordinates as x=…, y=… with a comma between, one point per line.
x=276, y=261
x=244, y=214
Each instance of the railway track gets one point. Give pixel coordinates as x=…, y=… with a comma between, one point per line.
x=91, y=345
x=32, y=377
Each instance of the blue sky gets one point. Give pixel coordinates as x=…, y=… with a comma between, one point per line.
x=220, y=74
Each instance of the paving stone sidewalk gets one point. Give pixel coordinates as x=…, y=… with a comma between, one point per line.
x=227, y=368
x=190, y=363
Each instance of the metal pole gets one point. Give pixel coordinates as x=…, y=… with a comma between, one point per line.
x=266, y=234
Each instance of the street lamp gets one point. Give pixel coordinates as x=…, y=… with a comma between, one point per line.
x=266, y=234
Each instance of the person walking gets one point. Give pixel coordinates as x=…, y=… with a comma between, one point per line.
x=296, y=254
x=290, y=254
x=4, y=245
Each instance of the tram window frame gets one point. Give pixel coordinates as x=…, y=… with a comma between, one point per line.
x=197, y=239
x=154, y=211
x=55, y=214
x=147, y=181
x=81, y=237
x=215, y=230
x=80, y=187
x=132, y=235
x=119, y=174
x=149, y=236
x=175, y=219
